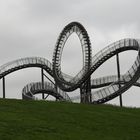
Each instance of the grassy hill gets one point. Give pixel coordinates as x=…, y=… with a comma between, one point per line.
x=41, y=120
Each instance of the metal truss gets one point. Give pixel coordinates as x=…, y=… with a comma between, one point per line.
x=112, y=86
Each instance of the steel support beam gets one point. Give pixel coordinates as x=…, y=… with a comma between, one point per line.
x=42, y=80
x=42, y=75
x=118, y=71
x=46, y=96
x=85, y=92
x=56, y=88
x=48, y=79
x=3, y=83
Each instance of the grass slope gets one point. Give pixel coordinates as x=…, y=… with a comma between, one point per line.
x=41, y=120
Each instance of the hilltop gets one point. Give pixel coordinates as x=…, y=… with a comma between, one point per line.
x=43, y=120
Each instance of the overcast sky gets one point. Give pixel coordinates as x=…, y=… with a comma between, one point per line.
x=31, y=27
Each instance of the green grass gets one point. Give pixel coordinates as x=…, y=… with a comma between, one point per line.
x=41, y=120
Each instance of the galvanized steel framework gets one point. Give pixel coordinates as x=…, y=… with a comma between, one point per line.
x=112, y=86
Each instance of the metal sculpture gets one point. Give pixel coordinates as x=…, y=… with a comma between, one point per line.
x=112, y=86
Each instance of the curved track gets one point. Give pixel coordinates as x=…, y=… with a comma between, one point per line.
x=31, y=89
x=112, y=86
x=25, y=63
x=34, y=88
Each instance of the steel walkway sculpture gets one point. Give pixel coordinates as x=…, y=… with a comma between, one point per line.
x=112, y=86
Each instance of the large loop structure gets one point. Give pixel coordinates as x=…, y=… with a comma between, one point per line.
x=77, y=28
x=77, y=81
x=112, y=85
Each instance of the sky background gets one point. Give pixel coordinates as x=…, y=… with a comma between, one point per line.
x=31, y=28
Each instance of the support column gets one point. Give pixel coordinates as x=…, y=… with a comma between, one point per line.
x=85, y=92
x=56, y=88
x=3, y=83
x=88, y=91
x=51, y=83
x=82, y=96
x=118, y=71
x=42, y=80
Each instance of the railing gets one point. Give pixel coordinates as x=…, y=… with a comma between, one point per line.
x=31, y=89
x=21, y=63
x=126, y=78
